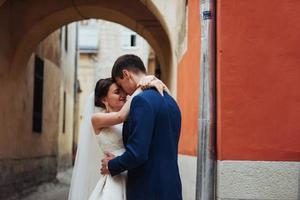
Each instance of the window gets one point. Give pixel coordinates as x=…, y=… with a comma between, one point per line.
x=66, y=38
x=84, y=23
x=129, y=39
x=88, y=37
x=37, y=117
x=132, y=40
x=64, y=113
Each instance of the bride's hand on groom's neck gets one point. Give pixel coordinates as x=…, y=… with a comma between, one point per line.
x=151, y=81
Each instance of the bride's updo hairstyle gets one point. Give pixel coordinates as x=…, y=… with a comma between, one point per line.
x=101, y=90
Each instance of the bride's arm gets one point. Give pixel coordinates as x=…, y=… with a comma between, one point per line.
x=101, y=120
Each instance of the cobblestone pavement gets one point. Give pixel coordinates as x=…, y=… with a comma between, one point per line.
x=53, y=191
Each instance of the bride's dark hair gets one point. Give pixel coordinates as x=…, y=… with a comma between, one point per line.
x=101, y=90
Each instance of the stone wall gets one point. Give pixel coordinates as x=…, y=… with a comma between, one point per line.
x=18, y=176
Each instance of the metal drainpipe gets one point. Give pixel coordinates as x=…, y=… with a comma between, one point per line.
x=206, y=163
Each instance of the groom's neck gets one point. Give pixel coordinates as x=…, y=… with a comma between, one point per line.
x=138, y=77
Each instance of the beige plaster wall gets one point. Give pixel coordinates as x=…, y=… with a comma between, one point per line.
x=65, y=139
x=17, y=138
x=26, y=157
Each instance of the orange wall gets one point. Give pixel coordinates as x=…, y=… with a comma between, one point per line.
x=188, y=83
x=258, y=79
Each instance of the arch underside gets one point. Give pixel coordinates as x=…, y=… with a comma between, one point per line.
x=37, y=19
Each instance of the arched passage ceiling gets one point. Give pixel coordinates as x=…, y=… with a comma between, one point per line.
x=34, y=20
x=1, y=2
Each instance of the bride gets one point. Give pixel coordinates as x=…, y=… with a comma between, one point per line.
x=107, y=109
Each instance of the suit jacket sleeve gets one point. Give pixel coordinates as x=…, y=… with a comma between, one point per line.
x=138, y=143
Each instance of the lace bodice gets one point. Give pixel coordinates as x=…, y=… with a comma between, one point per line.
x=110, y=139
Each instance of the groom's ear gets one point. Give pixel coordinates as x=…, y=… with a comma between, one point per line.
x=126, y=74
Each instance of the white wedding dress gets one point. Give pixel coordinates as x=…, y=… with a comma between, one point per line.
x=108, y=187
x=87, y=182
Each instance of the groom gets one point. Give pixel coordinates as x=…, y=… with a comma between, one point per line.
x=150, y=135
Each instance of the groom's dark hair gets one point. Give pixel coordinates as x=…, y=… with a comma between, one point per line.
x=130, y=62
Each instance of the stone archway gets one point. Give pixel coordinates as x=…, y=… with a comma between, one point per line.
x=1, y=2
x=33, y=20
x=24, y=25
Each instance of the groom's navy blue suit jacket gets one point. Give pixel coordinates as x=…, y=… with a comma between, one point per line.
x=150, y=136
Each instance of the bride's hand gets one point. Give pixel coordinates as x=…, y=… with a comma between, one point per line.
x=152, y=81
x=144, y=82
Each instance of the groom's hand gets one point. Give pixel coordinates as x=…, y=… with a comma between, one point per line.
x=104, y=163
